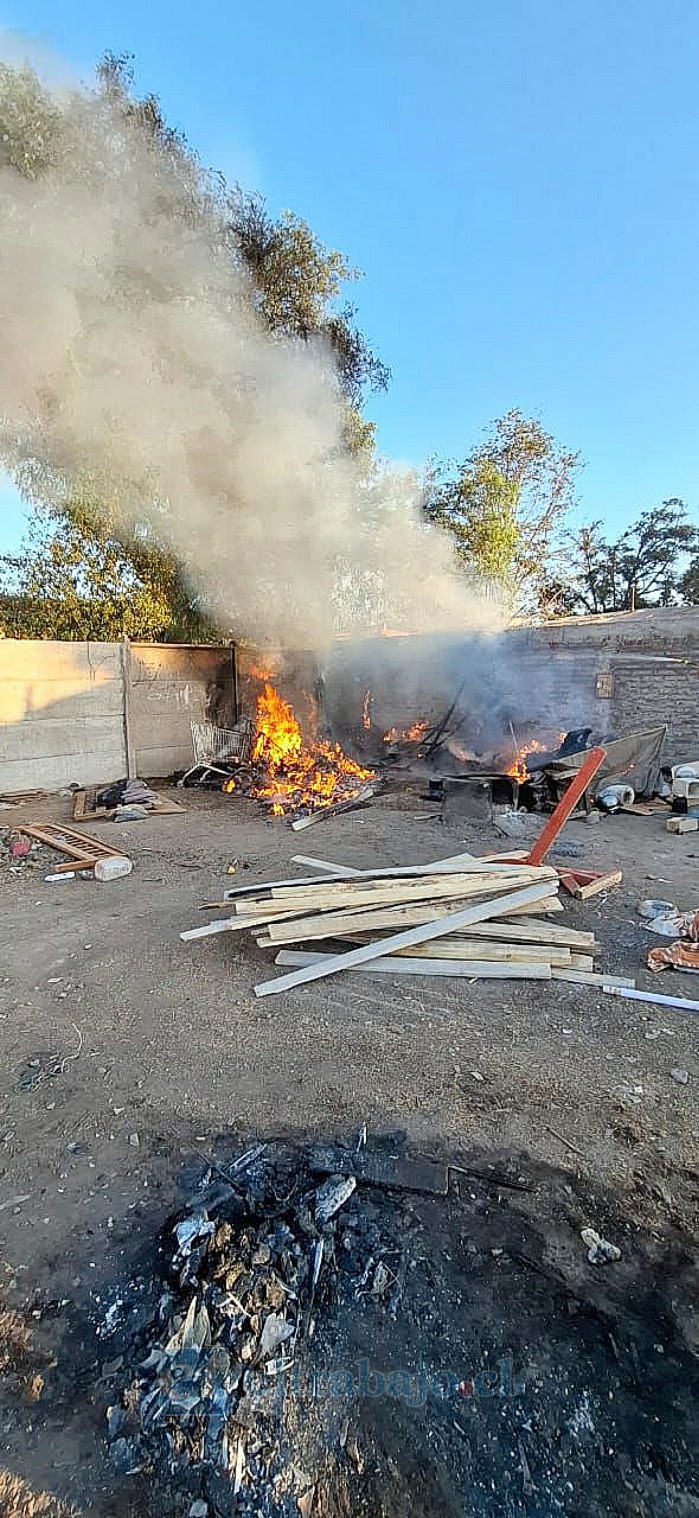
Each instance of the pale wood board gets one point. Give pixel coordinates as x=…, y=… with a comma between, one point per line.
x=501, y=875
x=339, y=924
x=324, y=865
x=342, y=922
x=533, y=932
x=456, y=862
x=230, y=925
x=594, y=887
x=480, y=912
x=451, y=862
x=550, y=904
x=473, y=970
x=590, y=978
x=452, y=888
x=461, y=948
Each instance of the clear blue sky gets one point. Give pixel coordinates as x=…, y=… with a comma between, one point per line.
x=518, y=179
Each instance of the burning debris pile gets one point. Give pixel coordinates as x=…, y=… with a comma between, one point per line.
x=291, y=773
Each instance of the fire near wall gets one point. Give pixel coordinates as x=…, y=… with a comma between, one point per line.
x=619, y=673
x=88, y=712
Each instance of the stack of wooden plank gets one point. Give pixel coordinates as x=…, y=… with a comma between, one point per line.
x=481, y=918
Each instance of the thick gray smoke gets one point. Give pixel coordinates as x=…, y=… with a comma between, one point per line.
x=132, y=362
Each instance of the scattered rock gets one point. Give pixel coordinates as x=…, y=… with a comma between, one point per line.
x=599, y=1250
x=332, y=1195
x=115, y=1418
x=382, y=1280
x=274, y=1333
x=680, y=1075
x=125, y=1457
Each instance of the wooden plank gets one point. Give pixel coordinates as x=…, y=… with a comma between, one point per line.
x=286, y=906
x=653, y=998
x=393, y=965
x=228, y=925
x=269, y=910
x=208, y=929
x=480, y=912
x=391, y=894
x=462, y=948
x=439, y=866
x=234, y=893
x=340, y=924
x=338, y=870
x=354, y=901
x=425, y=881
x=365, y=794
x=458, y=862
x=66, y=841
x=590, y=978
x=593, y=887
x=505, y=856
x=549, y=904
x=532, y=932
x=566, y=805
x=73, y=864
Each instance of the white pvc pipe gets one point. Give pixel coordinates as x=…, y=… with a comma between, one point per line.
x=655, y=998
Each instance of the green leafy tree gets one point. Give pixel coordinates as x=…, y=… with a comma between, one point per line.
x=74, y=578
x=689, y=584
x=505, y=505
x=296, y=281
x=646, y=566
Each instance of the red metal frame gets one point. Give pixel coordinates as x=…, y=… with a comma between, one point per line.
x=566, y=805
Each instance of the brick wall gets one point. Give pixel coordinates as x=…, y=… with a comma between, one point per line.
x=619, y=673
x=616, y=674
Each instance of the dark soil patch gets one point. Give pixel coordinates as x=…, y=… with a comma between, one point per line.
x=466, y=1356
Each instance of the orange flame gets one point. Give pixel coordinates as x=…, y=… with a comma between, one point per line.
x=407, y=734
x=298, y=773
x=366, y=710
x=519, y=768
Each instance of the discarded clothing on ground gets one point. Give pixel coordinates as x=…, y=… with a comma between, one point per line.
x=677, y=956
x=127, y=792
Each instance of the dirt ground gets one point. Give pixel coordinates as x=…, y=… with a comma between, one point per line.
x=162, y=1058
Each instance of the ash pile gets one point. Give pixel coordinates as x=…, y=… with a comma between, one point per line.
x=209, y=1414
x=426, y=1342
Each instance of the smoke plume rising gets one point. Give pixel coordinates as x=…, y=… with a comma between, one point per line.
x=133, y=366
